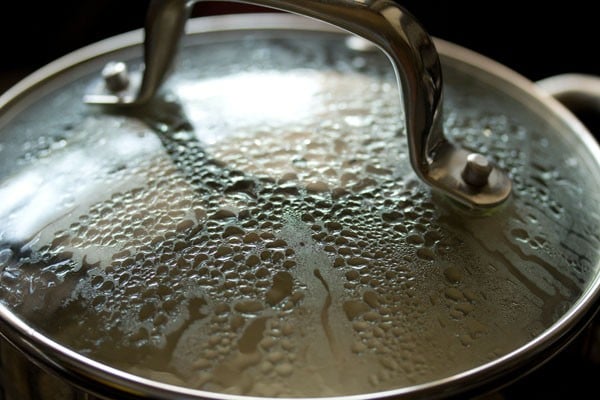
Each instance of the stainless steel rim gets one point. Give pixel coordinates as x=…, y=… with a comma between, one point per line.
x=94, y=377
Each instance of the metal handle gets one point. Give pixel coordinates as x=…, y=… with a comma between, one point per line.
x=576, y=91
x=469, y=178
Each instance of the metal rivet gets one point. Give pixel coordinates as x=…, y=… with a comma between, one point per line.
x=116, y=76
x=477, y=170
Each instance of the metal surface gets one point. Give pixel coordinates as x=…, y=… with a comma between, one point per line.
x=98, y=378
x=115, y=76
x=574, y=90
x=436, y=161
x=477, y=171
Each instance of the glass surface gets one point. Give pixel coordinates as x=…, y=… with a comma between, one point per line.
x=258, y=229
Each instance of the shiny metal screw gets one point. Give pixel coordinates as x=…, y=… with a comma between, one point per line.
x=116, y=76
x=477, y=170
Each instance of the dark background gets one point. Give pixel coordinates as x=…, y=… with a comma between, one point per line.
x=534, y=38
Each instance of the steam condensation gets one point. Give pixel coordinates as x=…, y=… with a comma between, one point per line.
x=258, y=230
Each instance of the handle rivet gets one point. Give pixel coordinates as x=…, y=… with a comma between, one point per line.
x=116, y=76
x=477, y=170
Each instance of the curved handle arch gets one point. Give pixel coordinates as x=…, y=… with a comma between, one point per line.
x=470, y=180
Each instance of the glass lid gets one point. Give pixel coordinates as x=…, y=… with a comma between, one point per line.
x=258, y=228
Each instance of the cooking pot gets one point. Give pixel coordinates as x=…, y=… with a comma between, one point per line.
x=274, y=220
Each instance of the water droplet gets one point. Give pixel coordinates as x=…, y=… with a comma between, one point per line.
x=282, y=288
x=5, y=255
x=453, y=274
x=414, y=239
x=249, y=307
x=354, y=308
x=520, y=234
x=453, y=294
x=358, y=121
x=284, y=369
x=426, y=254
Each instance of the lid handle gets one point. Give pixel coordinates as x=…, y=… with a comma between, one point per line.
x=467, y=177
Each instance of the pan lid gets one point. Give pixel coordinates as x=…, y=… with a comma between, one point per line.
x=258, y=225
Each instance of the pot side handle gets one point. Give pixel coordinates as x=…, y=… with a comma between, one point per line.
x=467, y=177
x=580, y=93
